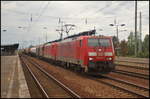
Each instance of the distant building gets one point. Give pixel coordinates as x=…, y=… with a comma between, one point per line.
x=9, y=49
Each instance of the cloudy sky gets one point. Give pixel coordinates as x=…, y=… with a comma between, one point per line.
x=15, y=14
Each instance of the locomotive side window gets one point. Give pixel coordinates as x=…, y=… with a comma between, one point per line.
x=94, y=42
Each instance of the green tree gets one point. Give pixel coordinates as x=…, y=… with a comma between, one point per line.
x=115, y=40
x=146, y=46
x=131, y=44
x=123, y=48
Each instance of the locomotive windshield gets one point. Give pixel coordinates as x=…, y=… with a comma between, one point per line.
x=94, y=42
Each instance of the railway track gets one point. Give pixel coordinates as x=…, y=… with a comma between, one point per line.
x=45, y=84
x=134, y=71
x=133, y=60
x=43, y=93
x=137, y=67
x=131, y=66
x=143, y=65
x=133, y=74
x=123, y=85
x=137, y=62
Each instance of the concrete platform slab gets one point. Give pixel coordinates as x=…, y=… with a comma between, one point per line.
x=13, y=83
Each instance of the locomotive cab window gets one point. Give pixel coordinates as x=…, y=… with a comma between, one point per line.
x=95, y=42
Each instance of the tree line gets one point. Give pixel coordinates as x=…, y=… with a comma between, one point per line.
x=127, y=48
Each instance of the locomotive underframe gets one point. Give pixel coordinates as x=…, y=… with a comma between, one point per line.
x=101, y=66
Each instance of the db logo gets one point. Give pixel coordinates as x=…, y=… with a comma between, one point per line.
x=100, y=50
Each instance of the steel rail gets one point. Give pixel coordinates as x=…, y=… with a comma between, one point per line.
x=132, y=61
x=131, y=66
x=133, y=74
x=35, y=79
x=72, y=93
x=126, y=82
x=121, y=88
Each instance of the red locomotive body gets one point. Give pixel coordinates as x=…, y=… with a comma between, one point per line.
x=49, y=50
x=90, y=52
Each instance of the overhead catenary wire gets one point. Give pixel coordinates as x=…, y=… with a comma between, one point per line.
x=55, y=17
x=30, y=22
x=64, y=17
x=40, y=14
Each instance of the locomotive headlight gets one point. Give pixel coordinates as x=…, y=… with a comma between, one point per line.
x=108, y=53
x=92, y=54
x=109, y=58
x=90, y=58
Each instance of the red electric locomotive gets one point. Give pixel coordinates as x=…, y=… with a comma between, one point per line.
x=90, y=53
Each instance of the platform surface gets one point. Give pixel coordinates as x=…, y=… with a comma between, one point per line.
x=13, y=83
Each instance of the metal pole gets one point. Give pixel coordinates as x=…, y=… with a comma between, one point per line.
x=135, y=28
x=117, y=41
x=140, y=28
x=66, y=30
x=46, y=36
x=39, y=40
x=61, y=30
x=115, y=23
x=117, y=32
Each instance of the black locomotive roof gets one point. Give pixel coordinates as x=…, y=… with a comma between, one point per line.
x=91, y=32
x=53, y=41
x=82, y=34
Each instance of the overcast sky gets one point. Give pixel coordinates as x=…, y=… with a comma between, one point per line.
x=100, y=14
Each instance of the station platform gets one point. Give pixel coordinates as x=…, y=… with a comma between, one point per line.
x=13, y=83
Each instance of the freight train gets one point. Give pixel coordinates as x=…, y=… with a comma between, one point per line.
x=82, y=51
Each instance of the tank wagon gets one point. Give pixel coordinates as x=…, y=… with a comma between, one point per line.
x=81, y=51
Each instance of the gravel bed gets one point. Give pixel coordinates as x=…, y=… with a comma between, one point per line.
x=134, y=80
x=129, y=87
x=146, y=72
x=83, y=86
